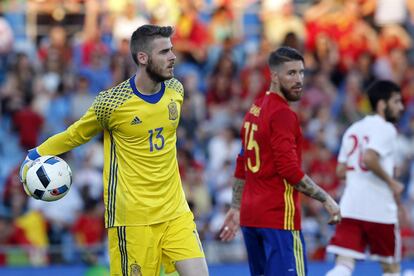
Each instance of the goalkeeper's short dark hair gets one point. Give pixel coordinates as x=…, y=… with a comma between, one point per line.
x=143, y=36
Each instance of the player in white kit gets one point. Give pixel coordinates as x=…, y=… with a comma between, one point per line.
x=369, y=205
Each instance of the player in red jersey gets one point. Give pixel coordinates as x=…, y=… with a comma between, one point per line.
x=269, y=176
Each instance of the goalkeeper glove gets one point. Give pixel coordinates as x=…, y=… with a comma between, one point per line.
x=24, y=167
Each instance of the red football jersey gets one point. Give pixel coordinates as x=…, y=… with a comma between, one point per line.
x=270, y=162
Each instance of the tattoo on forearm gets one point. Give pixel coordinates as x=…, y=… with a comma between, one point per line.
x=310, y=188
x=237, y=193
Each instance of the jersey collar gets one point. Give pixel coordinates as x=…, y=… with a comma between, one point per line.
x=278, y=97
x=154, y=98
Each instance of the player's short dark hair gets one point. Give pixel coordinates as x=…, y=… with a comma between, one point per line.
x=381, y=90
x=143, y=36
x=284, y=54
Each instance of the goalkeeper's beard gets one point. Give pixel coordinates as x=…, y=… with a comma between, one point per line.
x=153, y=74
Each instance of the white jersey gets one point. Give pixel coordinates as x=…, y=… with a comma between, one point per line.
x=366, y=196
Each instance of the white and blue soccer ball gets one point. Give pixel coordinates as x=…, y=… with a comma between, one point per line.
x=49, y=178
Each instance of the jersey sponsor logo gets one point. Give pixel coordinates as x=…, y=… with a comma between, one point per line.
x=135, y=270
x=136, y=121
x=173, y=111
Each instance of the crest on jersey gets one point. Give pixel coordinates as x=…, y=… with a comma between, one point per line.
x=173, y=111
x=135, y=270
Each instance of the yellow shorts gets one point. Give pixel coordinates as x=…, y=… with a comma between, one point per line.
x=140, y=250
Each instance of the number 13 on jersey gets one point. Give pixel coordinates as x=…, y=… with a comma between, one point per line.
x=251, y=144
x=156, y=141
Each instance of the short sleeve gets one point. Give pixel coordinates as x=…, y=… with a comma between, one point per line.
x=346, y=147
x=383, y=140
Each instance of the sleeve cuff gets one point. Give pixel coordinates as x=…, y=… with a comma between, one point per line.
x=297, y=178
x=239, y=171
x=33, y=154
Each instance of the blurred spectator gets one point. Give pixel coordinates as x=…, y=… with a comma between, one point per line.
x=89, y=179
x=254, y=76
x=60, y=216
x=320, y=90
x=97, y=72
x=188, y=127
x=91, y=37
x=222, y=87
x=324, y=57
x=293, y=41
x=393, y=37
x=408, y=87
x=57, y=49
x=81, y=99
x=37, y=236
x=121, y=63
x=14, y=197
x=222, y=27
x=322, y=169
x=322, y=128
x=223, y=178
x=224, y=35
x=194, y=97
x=126, y=23
x=279, y=19
x=89, y=230
x=319, y=19
x=28, y=124
x=390, y=12
x=356, y=102
x=254, y=85
x=193, y=183
x=58, y=111
x=364, y=67
x=222, y=147
x=353, y=35
x=163, y=12
x=6, y=44
x=11, y=234
x=42, y=96
x=392, y=61
x=24, y=72
x=116, y=7
x=94, y=153
x=11, y=98
x=191, y=36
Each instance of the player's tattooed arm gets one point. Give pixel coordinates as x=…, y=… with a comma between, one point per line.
x=307, y=186
x=238, y=186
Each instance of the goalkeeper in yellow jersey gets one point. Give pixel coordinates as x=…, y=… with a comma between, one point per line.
x=148, y=219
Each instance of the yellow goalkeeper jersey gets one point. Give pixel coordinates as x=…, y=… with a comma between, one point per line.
x=141, y=180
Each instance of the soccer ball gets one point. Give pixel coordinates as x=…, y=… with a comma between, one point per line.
x=49, y=178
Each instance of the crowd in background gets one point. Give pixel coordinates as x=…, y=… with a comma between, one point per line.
x=50, y=74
